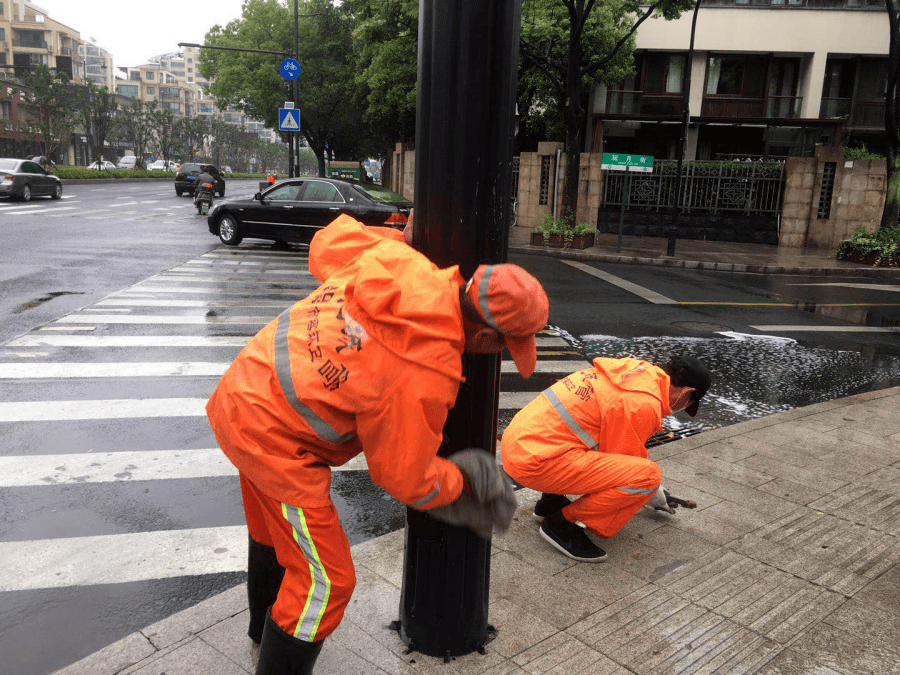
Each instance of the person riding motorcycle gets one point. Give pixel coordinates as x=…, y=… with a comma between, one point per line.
x=204, y=185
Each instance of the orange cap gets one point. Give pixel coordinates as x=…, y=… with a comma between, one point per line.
x=513, y=303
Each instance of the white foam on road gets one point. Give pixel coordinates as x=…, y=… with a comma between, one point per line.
x=122, y=558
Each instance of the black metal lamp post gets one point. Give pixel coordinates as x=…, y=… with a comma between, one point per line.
x=464, y=140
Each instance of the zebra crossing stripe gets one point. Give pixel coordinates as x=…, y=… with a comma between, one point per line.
x=295, y=291
x=827, y=329
x=142, y=408
x=154, y=302
x=122, y=558
x=62, y=371
x=126, y=466
x=200, y=319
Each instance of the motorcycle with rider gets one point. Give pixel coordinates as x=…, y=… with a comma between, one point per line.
x=204, y=187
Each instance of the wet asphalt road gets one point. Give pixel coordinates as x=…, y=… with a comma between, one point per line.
x=146, y=246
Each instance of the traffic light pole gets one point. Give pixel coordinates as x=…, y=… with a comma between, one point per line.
x=465, y=125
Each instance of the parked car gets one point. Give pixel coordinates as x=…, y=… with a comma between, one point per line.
x=24, y=179
x=103, y=165
x=227, y=169
x=186, y=178
x=127, y=162
x=293, y=210
x=162, y=165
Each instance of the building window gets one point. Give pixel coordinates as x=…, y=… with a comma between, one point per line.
x=149, y=75
x=130, y=90
x=742, y=76
x=827, y=191
x=3, y=58
x=664, y=73
x=2, y=33
x=151, y=90
x=544, y=195
x=5, y=110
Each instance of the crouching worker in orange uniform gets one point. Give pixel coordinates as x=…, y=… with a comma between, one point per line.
x=585, y=436
x=370, y=362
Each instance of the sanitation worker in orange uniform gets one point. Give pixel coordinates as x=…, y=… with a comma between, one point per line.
x=585, y=436
x=370, y=362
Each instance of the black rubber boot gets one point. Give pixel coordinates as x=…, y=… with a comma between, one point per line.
x=264, y=576
x=281, y=654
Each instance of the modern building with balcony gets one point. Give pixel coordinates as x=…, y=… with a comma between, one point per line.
x=768, y=78
x=28, y=37
x=98, y=65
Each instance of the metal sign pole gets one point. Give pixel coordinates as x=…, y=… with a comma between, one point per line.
x=622, y=216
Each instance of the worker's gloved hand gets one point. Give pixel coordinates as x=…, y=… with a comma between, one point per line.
x=659, y=502
x=487, y=501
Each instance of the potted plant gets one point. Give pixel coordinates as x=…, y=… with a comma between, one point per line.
x=559, y=230
x=537, y=237
x=583, y=235
x=542, y=231
x=880, y=248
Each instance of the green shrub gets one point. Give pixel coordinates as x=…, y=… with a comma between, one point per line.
x=862, y=152
x=885, y=241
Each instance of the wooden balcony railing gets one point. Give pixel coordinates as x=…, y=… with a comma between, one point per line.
x=626, y=103
x=859, y=114
x=773, y=107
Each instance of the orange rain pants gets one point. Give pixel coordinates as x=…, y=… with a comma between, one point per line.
x=613, y=487
x=585, y=435
x=312, y=547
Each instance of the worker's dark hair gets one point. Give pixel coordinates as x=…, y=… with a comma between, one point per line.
x=687, y=371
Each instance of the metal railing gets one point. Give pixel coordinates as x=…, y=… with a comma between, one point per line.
x=706, y=187
x=799, y=4
x=628, y=102
x=30, y=43
x=782, y=107
x=860, y=114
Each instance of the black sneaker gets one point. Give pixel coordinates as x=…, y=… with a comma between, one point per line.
x=569, y=539
x=547, y=504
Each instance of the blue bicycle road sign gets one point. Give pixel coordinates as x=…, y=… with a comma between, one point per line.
x=290, y=69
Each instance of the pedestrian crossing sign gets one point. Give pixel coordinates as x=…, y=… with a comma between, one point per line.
x=289, y=119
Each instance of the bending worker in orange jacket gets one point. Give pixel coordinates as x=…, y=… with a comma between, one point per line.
x=370, y=362
x=585, y=436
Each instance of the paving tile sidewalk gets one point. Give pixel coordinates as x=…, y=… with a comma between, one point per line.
x=789, y=565
x=709, y=255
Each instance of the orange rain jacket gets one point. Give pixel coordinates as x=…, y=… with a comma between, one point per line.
x=618, y=404
x=369, y=362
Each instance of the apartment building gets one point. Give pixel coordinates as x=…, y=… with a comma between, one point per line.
x=28, y=36
x=768, y=77
x=98, y=65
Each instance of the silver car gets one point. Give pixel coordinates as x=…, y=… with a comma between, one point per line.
x=24, y=179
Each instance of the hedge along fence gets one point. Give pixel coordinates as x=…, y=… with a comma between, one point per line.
x=80, y=172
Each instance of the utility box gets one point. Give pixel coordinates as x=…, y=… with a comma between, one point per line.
x=347, y=170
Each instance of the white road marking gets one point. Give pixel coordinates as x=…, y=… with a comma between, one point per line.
x=47, y=211
x=63, y=371
x=143, y=408
x=109, y=341
x=122, y=558
x=149, y=302
x=162, y=291
x=640, y=291
x=826, y=329
x=868, y=287
x=206, y=264
x=68, y=328
x=23, y=209
x=128, y=466
x=312, y=283
x=211, y=270
x=152, y=319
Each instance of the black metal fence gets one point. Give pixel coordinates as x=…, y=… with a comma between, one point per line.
x=706, y=187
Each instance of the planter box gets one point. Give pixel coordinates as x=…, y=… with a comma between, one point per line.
x=855, y=256
x=583, y=240
x=556, y=241
x=537, y=238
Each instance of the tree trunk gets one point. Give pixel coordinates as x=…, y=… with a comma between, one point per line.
x=574, y=116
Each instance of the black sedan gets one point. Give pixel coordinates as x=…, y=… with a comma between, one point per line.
x=24, y=179
x=186, y=178
x=294, y=210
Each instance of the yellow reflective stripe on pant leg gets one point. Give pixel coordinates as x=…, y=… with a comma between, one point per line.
x=320, y=584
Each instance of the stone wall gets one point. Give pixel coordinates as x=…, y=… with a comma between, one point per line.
x=857, y=199
x=403, y=171
x=530, y=212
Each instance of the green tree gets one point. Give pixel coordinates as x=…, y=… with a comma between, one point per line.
x=47, y=100
x=166, y=133
x=329, y=98
x=136, y=126
x=574, y=43
x=385, y=41
x=97, y=110
x=192, y=132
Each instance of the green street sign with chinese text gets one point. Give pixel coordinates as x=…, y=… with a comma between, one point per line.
x=616, y=162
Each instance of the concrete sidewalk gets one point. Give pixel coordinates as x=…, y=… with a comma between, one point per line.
x=788, y=565
x=722, y=256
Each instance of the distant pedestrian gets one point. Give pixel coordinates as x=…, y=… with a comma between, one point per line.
x=270, y=179
x=585, y=436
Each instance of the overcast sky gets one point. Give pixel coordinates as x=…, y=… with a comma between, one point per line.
x=134, y=31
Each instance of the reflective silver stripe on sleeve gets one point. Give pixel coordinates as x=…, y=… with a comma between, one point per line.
x=637, y=491
x=483, y=298
x=319, y=584
x=566, y=417
x=427, y=498
x=283, y=371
